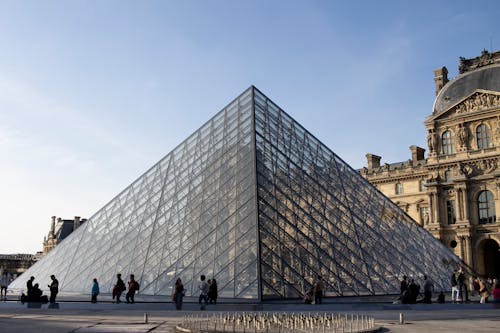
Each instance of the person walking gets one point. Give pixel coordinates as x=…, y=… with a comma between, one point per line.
x=95, y=291
x=203, y=287
x=212, y=292
x=4, y=283
x=54, y=289
x=319, y=287
x=133, y=286
x=483, y=291
x=178, y=294
x=118, y=288
x=455, y=296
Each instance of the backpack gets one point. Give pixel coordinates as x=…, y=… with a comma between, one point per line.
x=137, y=285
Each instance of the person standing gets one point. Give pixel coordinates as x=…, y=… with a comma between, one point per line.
x=95, y=291
x=4, y=283
x=496, y=293
x=133, y=286
x=29, y=287
x=462, y=286
x=403, y=290
x=54, y=289
x=428, y=289
x=119, y=288
x=178, y=294
x=319, y=287
x=203, y=286
x=413, y=292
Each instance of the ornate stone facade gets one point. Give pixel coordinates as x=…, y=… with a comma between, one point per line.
x=454, y=192
x=60, y=230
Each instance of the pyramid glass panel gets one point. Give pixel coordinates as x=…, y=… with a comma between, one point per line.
x=255, y=201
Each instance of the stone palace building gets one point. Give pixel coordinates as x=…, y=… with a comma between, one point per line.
x=455, y=192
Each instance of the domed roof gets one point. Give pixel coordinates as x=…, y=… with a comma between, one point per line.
x=486, y=78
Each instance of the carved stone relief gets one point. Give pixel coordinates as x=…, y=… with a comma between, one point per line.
x=478, y=101
x=496, y=137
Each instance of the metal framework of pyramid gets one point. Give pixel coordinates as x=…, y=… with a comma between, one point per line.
x=255, y=201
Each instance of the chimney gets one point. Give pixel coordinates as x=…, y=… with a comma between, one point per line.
x=52, y=226
x=76, y=223
x=441, y=78
x=373, y=161
x=417, y=154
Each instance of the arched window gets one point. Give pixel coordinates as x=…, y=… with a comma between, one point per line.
x=447, y=143
x=486, y=207
x=483, y=136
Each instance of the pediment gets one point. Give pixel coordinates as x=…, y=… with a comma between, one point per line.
x=479, y=100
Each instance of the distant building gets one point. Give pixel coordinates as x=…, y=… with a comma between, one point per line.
x=455, y=192
x=16, y=264
x=60, y=230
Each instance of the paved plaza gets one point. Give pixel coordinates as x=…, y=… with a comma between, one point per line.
x=80, y=317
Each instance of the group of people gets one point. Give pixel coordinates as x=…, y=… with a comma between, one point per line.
x=478, y=286
x=208, y=292
x=119, y=288
x=35, y=294
x=410, y=290
x=315, y=292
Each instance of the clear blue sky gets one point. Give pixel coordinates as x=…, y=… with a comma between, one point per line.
x=92, y=93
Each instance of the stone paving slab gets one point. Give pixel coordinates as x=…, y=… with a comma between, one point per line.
x=106, y=328
x=77, y=317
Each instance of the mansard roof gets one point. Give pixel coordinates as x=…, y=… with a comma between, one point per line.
x=484, y=78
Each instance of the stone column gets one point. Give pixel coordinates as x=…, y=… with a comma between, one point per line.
x=461, y=244
x=460, y=201
x=431, y=208
x=465, y=203
x=52, y=226
x=468, y=250
x=435, y=209
x=497, y=201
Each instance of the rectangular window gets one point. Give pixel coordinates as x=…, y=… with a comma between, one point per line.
x=450, y=211
x=399, y=188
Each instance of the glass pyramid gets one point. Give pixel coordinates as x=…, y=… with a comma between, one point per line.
x=255, y=201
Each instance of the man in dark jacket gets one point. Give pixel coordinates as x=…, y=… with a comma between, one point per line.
x=54, y=289
x=119, y=287
x=29, y=287
x=462, y=285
